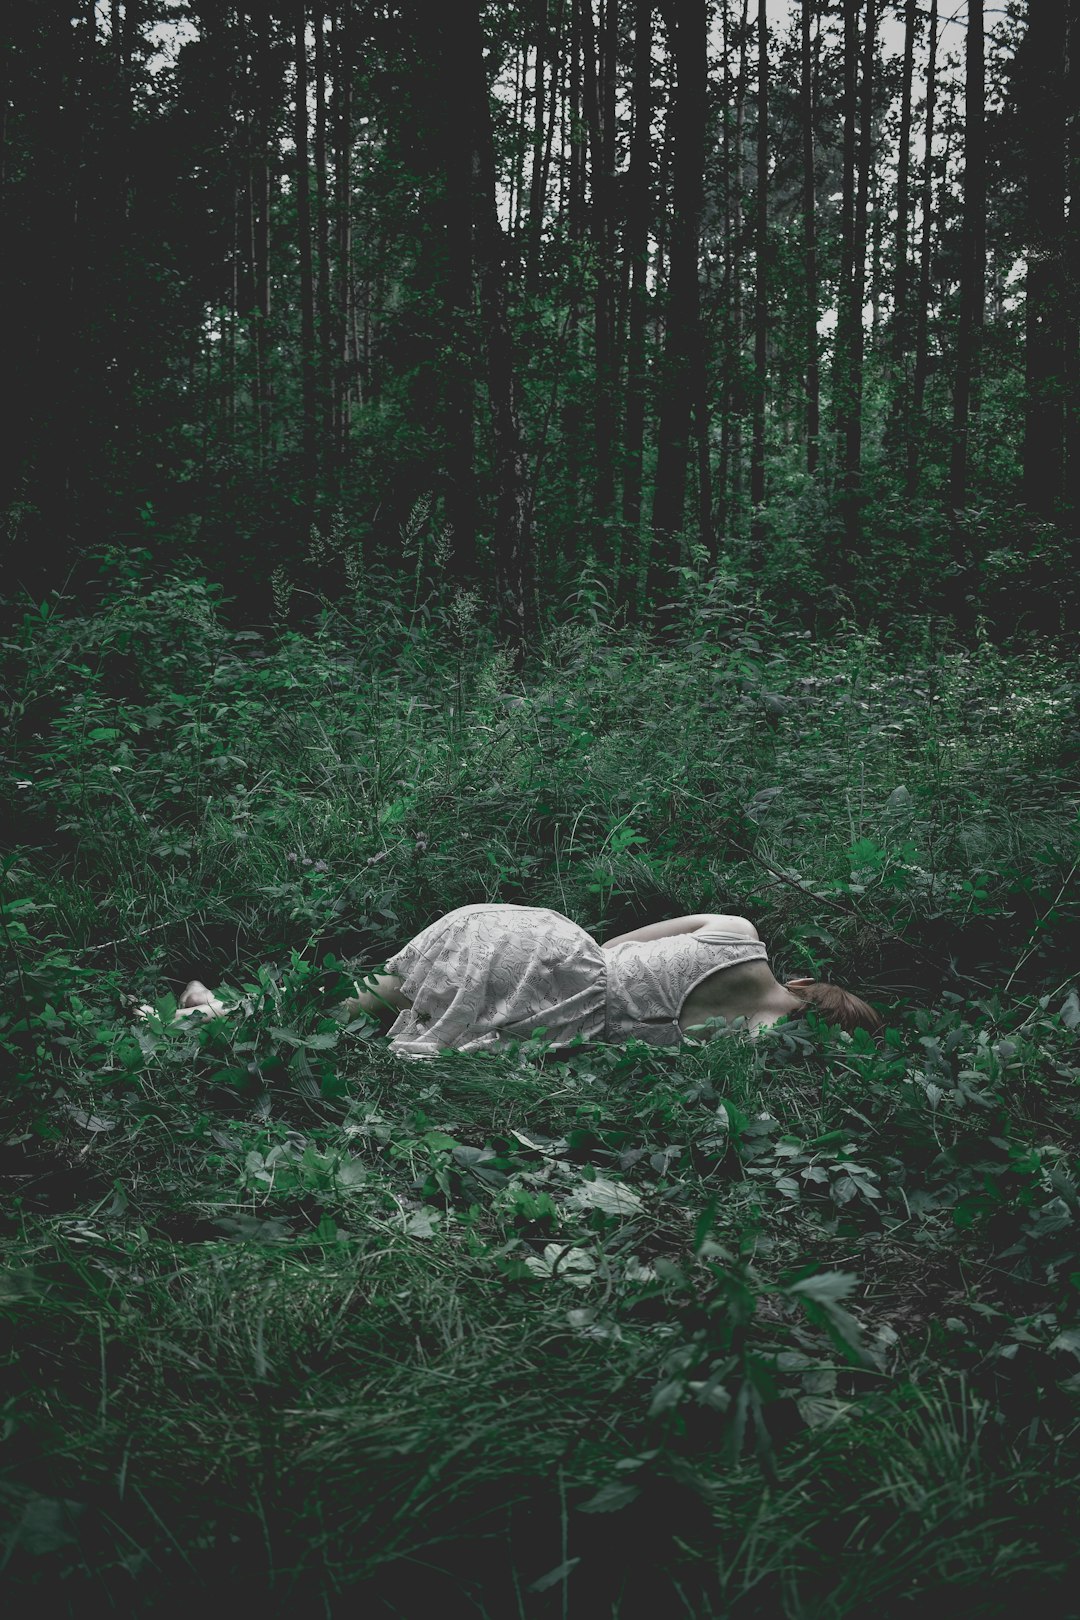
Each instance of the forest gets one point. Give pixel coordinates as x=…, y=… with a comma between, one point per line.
x=614, y=457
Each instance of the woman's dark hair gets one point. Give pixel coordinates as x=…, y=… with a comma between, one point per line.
x=837, y=1006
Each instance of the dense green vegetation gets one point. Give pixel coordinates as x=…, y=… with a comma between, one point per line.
x=619, y=457
x=784, y=1326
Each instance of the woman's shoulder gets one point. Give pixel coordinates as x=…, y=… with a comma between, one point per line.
x=721, y=926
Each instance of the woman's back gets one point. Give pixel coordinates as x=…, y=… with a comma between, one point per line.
x=652, y=983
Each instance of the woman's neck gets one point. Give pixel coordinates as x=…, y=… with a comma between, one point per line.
x=749, y=990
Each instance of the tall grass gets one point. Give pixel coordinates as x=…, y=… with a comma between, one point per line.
x=752, y=1328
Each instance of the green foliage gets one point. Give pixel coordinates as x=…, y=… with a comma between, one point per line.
x=785, y=1326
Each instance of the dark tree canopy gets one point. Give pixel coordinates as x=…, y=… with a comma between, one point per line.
x=627, y=283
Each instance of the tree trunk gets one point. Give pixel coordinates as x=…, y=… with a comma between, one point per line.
x=901, y=333
x=639, y=190
x=555, y=81
x=346, y=358
x=1046, y=321
x=598, y=87
x=726, y=325
x=607, y=64
x=876, y=288
x=761, y=281
x=688, y=24
x=576, y=200
x=738, y=389
x=914, y=423
x=250, y=305
x=517, y=165
x=703, y=443
x=973, y=260
x=309, y=462
x=537, y=186
x=264, y=98
x=462, y=202
x=852, y=479
x=843, y=378
x=809, y=205
x=512, y=539
x=232, y=301
x=573, y=416
x=322, y=231
x=662, y=210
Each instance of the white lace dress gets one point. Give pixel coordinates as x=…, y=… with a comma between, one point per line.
x=487, y=974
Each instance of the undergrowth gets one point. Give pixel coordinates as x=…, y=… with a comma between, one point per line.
x=785, y=1326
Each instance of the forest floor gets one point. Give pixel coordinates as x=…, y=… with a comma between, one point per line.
x=776, y=1327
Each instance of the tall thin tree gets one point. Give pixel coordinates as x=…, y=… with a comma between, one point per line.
x=842, y=402
x=261, y=189
x=599, y=44
x=537, y=186
x=573, y=419
x=1046, y=140
x=727, y=324
x=636, y=242
x=852, y=486
x=512, y=537
x=761, y=279
x=736, y=369
x=460, y=107
x=901, y=313
x=972, y=259
x=322, y=226
x=309, y=453
x=920, y=365
x=809, y=212
x=343, y=26
x=687, y=25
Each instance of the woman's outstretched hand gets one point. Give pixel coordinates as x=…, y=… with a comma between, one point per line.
x=198, y=997
x=196, y=1004
x=380, y=997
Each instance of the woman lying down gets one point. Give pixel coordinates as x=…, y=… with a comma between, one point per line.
x=487, y=974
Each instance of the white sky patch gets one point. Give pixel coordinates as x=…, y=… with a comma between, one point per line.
x=167, y=38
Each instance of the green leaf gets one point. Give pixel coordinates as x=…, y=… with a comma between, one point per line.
x=610, y=1196
x=564, y=1262
x=45, y=1524
x=826, y=1287
x=554, y=1576
x=665, y=1396
x=611, y=1497
x=440, y=1141
x=704, y=1224
x=351, y=1173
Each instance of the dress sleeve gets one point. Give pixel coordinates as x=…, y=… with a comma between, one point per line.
x=714, y=934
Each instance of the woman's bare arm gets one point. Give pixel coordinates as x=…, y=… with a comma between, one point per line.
x=685, y=925
x=378, y=994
